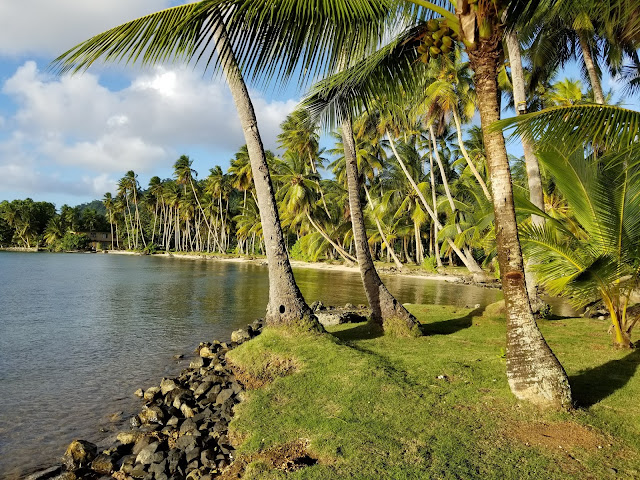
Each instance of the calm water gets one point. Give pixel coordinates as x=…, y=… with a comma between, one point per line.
x=79, y=333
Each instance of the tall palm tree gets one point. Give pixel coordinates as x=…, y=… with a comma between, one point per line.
x=179, y=33
x=108, y=204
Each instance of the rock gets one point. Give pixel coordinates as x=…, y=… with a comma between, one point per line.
x=79, y=453
x=166, y=385
x=208, y=458
x=202, y=388
x=179, y=356
x=187, y=426
x=197, y=363
x=150, y=393
x=158, y=468
x=115, y=417
x=103, y=464
x=146, y=455
x=173, y=421
x=186, y=442
x=240, y=336
x=338, y=317
x=135, y=421
x=187, y=411
x=127, y=438
x=349, y=306
x=206, y=352
x=139, y=393
x=223, y=396
x=153, y=414
x=140, y=444
x=192, y=454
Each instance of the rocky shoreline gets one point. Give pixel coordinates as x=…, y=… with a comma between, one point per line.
x=180, y=432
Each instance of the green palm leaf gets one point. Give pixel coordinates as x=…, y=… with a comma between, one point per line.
x=603, y=126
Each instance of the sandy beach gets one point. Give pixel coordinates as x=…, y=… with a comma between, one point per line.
x=299, y=264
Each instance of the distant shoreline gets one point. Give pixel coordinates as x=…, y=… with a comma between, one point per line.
x=300, y=264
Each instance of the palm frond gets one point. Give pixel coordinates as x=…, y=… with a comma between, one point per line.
x=603, y=126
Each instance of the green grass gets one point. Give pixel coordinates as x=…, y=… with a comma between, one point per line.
x=438, y=406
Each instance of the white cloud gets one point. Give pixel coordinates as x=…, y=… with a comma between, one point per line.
x=76, y=122
x=46, y=27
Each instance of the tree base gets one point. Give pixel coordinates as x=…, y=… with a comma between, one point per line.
x=395, y=319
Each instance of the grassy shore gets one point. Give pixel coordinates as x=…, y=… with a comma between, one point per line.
x=353, y=404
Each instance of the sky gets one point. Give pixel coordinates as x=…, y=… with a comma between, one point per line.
x=68, y=139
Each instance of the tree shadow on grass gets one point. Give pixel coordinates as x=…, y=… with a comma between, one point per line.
x=453, y=325
x=595, y=384
x=360, y=331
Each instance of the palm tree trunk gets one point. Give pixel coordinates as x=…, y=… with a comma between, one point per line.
x=382, y=234
x=534, y=179
x=433, y=216
x=315, y=170
x=533, y=371
x=386, y=311
x=286, y=304
x=435, y=211
x=465, y=154
x=135, y=201
x=596, y=86
x=470, y=262
x=341, y=251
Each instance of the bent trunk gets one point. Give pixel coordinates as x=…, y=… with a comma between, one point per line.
x=386, y=311
x=348, y=258
x=286, y=304
x=533, y=371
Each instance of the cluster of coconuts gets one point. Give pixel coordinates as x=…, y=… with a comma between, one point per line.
x=437, y=39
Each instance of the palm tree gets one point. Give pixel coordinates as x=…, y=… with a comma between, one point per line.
x=54, y=231
x=108, y=204
x=179, y=33
x=300, y=135
x=297, y=195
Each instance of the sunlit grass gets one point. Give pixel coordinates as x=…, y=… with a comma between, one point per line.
x=439, y=406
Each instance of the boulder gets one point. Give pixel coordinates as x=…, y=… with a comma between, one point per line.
x=196, y=363
x=240, y=336
x=152, y=414
x=150, y=393
x=146, y=455
x=167, y=384
x=79, y=454
x=103, y=464
x=129, y=437
x=337, y=317
x=207, y=352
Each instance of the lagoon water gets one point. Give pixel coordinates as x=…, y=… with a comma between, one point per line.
x=79, y=333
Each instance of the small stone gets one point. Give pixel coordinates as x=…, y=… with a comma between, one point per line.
x=79, y=453
x=179, y=356
x=150, y=393
x=613, y=470
x=139, y=393
x=153, y=414
x=206, y=352
x=166, y=385
x=187, y=426
x=173, y=421
x=223, y=396
x=192, y=454
x=240, y=336
x=187, y=411
x=134, y=422
x=202, y=389
x=127, y=438
x=197, y=363
x=115, y=417
x=146, y=454
x=208, y=458
x=103, y=464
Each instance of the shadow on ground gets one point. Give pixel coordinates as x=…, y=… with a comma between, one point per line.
x=595, y=384
x=453, y=325
x=360, y=331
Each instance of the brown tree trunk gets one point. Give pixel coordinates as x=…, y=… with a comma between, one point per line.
x=533, y=371
x=536, y=195
x=596, y=86
x=286, y=304
x=386, y=311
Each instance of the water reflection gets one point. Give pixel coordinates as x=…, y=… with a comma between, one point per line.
x=79, y=333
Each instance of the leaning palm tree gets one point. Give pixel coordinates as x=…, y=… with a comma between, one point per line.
x=179, y=33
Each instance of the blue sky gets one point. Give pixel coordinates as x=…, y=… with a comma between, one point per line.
x=69, y=139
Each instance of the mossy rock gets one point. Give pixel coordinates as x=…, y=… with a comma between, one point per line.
x=496, y=309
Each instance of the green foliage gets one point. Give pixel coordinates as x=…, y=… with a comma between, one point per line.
x=430, y=264
x=438, y=406
x=297, y=253
x=71, y=242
